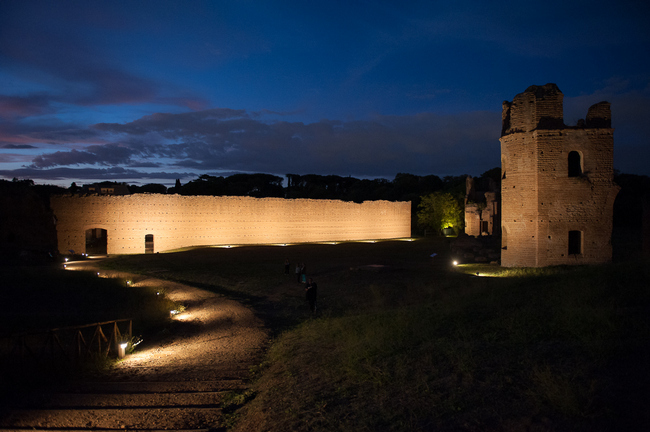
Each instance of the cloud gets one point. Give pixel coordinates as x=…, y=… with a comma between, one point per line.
x=48, y=54
x=19, y=146
x=93, y=174
x=109, y=154
x=24, y=106
x=227, y=139
x=22, y=133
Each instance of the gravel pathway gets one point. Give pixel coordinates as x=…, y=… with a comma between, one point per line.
x=177, y=383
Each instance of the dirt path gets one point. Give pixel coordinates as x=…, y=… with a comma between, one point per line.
x=175, y=383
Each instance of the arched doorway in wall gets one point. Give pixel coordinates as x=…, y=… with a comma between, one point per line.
x=148, y=243
x=575, y=164
x=96, y=241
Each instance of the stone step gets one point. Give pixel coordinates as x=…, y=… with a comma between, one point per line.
x=152, y=386
x=113, y=400
x=119, y=405
x=210, y=429
x=114, y=418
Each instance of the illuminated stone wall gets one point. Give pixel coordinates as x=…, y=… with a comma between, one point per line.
x=545, y=202
x=179, y=221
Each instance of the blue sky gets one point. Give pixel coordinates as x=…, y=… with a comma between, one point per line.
x=151, y=91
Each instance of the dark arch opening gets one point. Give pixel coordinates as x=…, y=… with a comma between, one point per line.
x=96, y=241
x=575, y=164
x=148, y=243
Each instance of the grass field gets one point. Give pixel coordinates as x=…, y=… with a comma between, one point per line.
x=403, y=341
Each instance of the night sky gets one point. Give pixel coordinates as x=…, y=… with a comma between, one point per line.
x=151, y=91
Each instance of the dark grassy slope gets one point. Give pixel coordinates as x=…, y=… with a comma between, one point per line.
x=404, y=342
x=39, y=298
x=45, y=297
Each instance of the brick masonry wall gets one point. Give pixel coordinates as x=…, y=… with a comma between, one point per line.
x=541, y=203
x=518, y=201
x=474, y=215
x=472, y=220
x=180, y=221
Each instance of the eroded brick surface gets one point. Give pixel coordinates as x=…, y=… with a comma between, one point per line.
x=177, y=221
x=556, y=179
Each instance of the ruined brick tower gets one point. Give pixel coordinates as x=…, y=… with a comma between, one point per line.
x=557, y=186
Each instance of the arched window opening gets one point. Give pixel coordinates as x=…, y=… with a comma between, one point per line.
x=575, y=164
x=148, y=243
x=575, y=242
x=96, y=241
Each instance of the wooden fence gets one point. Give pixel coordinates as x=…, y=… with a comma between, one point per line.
x=71, y=345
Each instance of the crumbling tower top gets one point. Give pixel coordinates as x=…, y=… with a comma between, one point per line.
x=539, y=107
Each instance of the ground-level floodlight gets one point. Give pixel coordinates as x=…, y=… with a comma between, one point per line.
x=121, y=350
x=455, y=263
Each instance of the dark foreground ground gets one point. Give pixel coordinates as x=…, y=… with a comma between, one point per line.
x=403, y=341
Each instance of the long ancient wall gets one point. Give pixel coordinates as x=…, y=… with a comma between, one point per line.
x=177, y=221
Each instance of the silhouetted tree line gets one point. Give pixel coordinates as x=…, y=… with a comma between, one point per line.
x=405, y=187
x=27, y=230
x=253, y=185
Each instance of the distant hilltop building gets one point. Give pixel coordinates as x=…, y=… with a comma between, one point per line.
x=557, y=185
x=106, y=188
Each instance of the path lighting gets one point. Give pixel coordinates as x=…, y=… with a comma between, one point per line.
x=455, y=263
x=121, y=352
x=173, y=312
x=66, y=259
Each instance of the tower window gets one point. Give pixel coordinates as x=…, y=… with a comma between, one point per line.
x=575, y=164
x=575, y=242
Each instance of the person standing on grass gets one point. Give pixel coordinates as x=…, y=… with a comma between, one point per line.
x=303, y=273
x=311, y=292
x=298, y=272
x=287, y=264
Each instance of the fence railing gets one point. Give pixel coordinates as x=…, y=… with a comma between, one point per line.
x=67, y=344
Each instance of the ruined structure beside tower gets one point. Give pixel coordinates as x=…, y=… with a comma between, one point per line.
x=557, y=186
